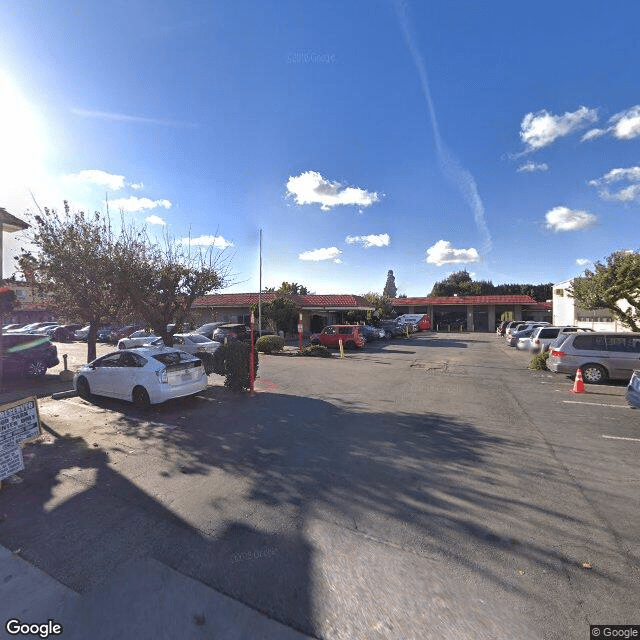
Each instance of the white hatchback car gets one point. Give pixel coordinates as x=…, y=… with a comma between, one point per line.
x=144, y=376
x=194, y=343
x=136, y=339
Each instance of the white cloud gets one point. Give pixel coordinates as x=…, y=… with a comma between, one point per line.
x=338, y=261
x=565, y=219
x=98, y=177
x=540, y=129
x=626, y=125
x=581, y=262
x=627, y=193
x=315, y=255
x=136, y=186
x=207, y=241
x=623, y=126
x=311, y=188
x=379, y=240
x=155, y=220
x=592, y=134
x=443, y=253
x=530, y=167
x=133, y=203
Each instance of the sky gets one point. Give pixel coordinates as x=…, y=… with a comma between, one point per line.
x=365, y=136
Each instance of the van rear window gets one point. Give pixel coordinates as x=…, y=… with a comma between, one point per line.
x=548, y=333
x=174, y=357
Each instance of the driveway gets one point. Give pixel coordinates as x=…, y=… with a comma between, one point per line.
x=424, y=488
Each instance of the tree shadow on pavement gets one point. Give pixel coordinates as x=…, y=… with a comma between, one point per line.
x=228, y=489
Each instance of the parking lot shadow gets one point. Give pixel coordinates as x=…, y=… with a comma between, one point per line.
x=423, y=481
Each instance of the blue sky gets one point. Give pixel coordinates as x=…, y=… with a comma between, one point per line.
x=360, y=136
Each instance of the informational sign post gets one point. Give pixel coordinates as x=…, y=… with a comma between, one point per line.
x=19, y=422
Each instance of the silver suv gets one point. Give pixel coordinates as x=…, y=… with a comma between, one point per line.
x=599, y=355
x=542, y=337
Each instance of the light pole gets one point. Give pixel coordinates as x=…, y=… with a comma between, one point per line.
x=10, y=224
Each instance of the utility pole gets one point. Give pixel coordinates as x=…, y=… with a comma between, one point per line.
x=260, y=292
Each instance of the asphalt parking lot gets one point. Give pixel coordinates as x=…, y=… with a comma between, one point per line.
x=423, y=488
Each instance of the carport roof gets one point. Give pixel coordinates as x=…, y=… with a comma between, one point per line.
x=445, y=300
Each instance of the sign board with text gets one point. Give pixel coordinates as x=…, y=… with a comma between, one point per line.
x=19, y=422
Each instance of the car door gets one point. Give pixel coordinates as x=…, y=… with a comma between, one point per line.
x=106, y=377
x=328, y=337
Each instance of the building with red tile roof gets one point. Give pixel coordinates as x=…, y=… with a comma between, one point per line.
x=471, y=313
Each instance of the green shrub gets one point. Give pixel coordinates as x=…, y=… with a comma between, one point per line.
x=315, y=351
x=539, y=361
x=269, y=344
x=232, y=361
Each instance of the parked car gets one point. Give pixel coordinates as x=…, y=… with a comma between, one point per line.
x=28, y=355
x=137, y=339
x=30, y=328
x=524, y=332
x=331, y=335
x=208, y=329
x=633, y=389
x=542, y=337
x=392, y=328
x=104, y=333
x=501, y=328
x=600, y=355
x=194, y=343
x=122, y=332
x=370, y=333
x=65, y=333
x=516, y=326
x=11, y=327
x=144, y=376
x=231, y=332
x=421, y=321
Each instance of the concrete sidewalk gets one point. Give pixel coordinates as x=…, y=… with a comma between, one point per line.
x=142, y=599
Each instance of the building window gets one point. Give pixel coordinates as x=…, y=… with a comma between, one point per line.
x=559, y=292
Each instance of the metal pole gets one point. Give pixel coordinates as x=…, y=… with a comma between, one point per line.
x=252, y=371
x=260, y=291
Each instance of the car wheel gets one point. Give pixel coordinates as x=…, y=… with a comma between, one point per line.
x=594, y=373
x=121, y=346
x=36, y=369
x=140, y=398
x=350, y=345
x=84, y=391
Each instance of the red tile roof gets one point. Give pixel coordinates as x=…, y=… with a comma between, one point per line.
x=497, y=299
x=248, y=299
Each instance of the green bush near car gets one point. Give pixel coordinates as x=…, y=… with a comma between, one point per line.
x=539, y=362
x=315, y=351
x=232, y=360
x=269, y=344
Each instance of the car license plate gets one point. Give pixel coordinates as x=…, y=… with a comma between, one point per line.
x=186, y=376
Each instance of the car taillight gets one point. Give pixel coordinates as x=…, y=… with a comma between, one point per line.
x=557, y=354
x=231, y=334
x=536, y=342
x=162, y=375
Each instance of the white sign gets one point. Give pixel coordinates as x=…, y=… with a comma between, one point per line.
x=10, y=461
x=19, y=421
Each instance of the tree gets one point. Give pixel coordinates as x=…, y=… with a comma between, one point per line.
x=282, y=312
x=457, y=283
x=390, y=290
x=382, y=303
x=75, y=263
x=609, y=283
x=163, y=280
x=289, y=289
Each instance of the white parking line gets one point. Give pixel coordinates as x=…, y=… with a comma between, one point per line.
x=597, y=404
x=619, y=438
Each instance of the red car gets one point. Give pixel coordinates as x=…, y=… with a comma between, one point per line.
x=332, y=334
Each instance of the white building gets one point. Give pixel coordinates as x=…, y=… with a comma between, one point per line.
x=565, y=312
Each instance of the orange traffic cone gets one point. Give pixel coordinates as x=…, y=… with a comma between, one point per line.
x=578, y=385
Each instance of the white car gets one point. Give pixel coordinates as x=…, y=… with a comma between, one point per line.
x=137, y=339
x=144, y=376
x=194, y=343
